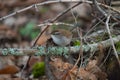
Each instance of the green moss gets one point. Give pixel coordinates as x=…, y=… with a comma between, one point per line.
x=38, y=69
x=76, y=43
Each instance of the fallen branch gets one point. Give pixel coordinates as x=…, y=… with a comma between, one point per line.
x=58, y=50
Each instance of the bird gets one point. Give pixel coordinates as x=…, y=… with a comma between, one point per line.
x=61, y=37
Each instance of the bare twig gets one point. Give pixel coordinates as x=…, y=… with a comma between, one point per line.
x=107, y=26
x=109, y=51
x=100, y=9
x=55, y=1
x=56, y=23
x=80, y=57
x=27, y=8
x=80, y=37
x=48, y=69
x=93, y=27
x=81, y=50
x=65, y=11
x=112, y=42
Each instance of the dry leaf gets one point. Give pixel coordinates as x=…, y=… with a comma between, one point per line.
x=45, y=36
x=63, y=70
x=94, y=69
x=85, y=75
x=7, y=66
x=43, y=39
x=10, y=69
x=91, y=65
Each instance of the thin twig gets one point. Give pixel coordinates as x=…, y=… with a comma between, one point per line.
x=27, y=8
x=65, y=11
x=112, y=42
x=80, y=40
x=100, y=9
x=109, y=51
x=107, y=26
x=56, y=23
x=57, y=1
x=48, y=69
x=93, y=27
x=80, y=57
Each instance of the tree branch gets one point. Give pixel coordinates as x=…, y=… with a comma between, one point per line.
x=57, y=50
x=56, y=1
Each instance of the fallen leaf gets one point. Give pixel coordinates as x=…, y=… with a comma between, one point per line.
x=10, y=69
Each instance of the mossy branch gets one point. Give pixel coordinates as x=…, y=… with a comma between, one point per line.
x=57, y=50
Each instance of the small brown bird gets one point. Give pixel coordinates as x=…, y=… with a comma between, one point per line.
x=61, y=37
